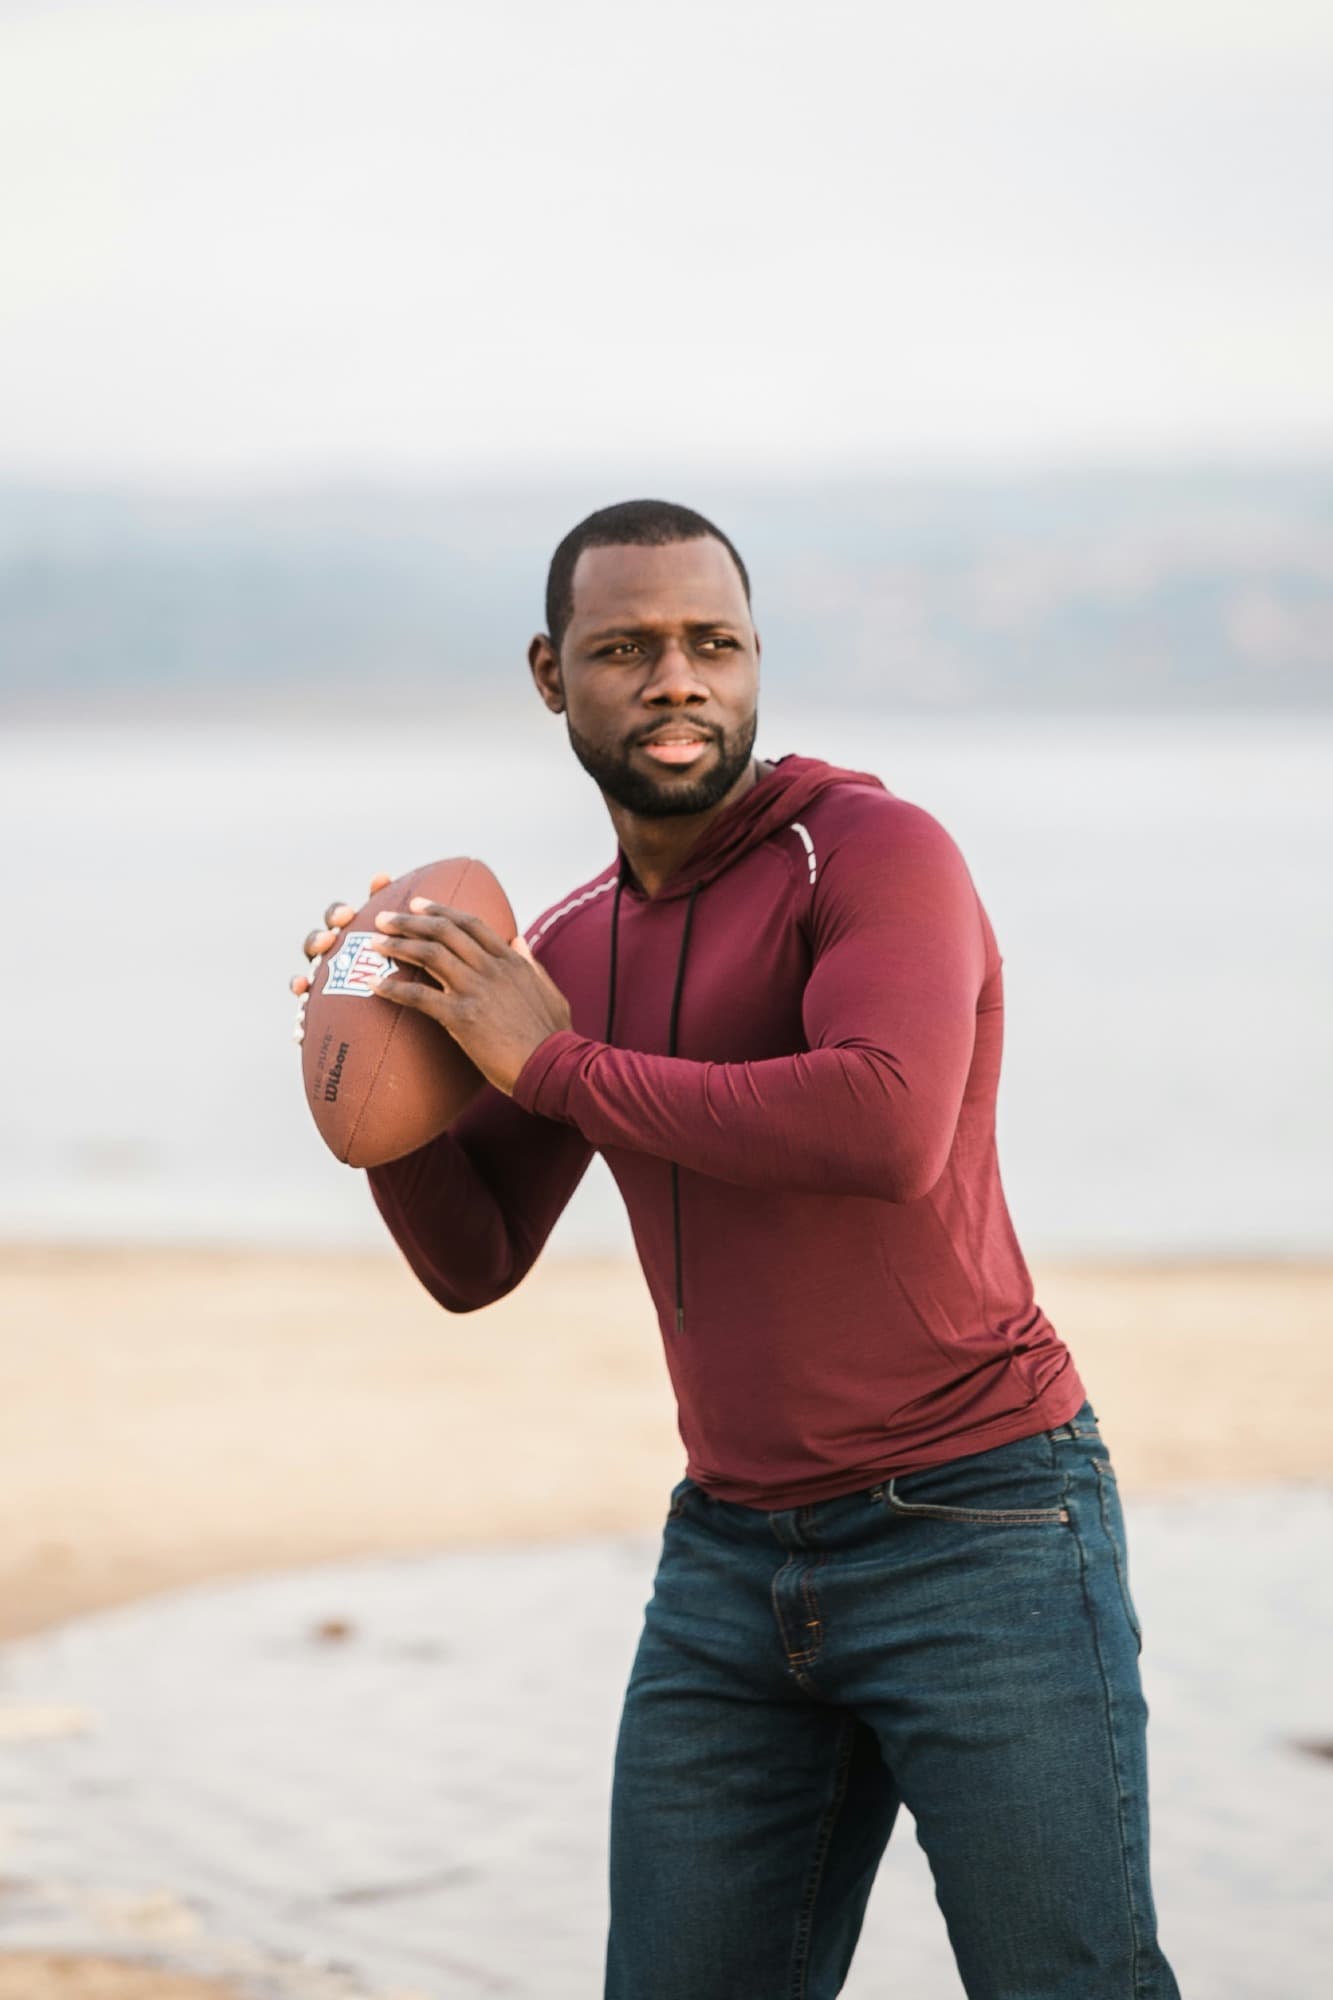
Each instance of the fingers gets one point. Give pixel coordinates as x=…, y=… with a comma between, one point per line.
x=469, y=937
x=339, y=915
x=336, y=918
x=317, y=943
x=406, y=992
x=421, y=954
x=441, y=935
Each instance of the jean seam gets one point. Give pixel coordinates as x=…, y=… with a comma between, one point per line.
x=813, y=1621
x=815, y=1877
x=1115, y=1759
x=807, y=1655
x=1121, y=1578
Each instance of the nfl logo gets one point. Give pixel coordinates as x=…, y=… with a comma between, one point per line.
x=355, y=969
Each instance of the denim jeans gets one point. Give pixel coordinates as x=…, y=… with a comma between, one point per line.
x=961, y=1641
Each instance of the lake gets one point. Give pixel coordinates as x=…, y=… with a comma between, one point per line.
x=1159, y=889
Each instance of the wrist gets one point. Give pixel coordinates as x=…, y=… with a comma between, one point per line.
x=535, y=1088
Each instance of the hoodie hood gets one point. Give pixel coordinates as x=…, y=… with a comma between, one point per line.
x=772, y=802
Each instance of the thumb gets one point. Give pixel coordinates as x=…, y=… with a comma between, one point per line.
x=520, y=945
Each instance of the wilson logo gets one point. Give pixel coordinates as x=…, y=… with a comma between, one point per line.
x=335, y=1075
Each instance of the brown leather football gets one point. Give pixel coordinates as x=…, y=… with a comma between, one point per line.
x=381, y=1080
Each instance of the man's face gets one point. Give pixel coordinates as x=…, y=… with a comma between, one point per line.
x=658, y=675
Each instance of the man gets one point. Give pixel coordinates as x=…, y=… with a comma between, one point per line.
x=895, y=1571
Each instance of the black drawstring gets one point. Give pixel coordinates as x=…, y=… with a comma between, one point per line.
x=671, y=1050
x=615, y=938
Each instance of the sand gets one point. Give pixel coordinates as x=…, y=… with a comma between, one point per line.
x=55, y=1976
x=173, y=1415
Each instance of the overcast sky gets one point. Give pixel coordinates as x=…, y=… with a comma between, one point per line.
x=426, y=238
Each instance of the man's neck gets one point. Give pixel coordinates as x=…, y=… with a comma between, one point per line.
x=655, y=848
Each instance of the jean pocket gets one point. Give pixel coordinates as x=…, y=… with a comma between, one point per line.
x=1020, y=1484
x=679, y=1495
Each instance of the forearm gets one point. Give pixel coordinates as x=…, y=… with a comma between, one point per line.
x=839, y=1121
x=447, y=1225
x=889, y=1014
x=471, y=1210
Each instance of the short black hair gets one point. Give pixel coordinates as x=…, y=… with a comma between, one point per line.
x=641, y=524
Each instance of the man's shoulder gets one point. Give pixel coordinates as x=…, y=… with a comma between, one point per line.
x=855, y=815
x=574, y=908
x=872, y=849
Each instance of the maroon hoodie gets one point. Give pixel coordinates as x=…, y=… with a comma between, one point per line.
x=789, y=1058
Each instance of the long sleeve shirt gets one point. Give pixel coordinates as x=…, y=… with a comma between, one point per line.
x=789, y=1057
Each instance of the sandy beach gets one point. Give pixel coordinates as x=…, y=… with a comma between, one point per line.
x=175, y=1415
x=55, y=1976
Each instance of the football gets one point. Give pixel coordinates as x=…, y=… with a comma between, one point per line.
x=381, y=1080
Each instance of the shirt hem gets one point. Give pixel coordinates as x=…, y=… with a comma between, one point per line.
x=1055, y=1407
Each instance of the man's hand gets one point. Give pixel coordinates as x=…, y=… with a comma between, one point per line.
x=318, y=942
x=492, y=997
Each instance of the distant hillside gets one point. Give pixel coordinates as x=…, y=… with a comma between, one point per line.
x=1103, y=591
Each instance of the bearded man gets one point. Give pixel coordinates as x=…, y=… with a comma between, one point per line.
x=895, y=1570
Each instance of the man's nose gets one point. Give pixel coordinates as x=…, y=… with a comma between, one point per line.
x=675, y=679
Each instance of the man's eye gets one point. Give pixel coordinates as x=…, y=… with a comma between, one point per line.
x=617, y=652
x=719, y=639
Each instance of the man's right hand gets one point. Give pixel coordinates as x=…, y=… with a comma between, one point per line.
x=336, y=918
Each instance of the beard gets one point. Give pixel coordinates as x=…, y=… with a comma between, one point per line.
x=667, y=798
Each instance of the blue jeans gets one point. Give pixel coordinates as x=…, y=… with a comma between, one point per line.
x=960, y=1640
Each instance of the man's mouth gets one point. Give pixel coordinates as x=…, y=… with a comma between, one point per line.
x=676, y=746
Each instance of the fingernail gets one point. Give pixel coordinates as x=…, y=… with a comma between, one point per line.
x=387, y=917
x=419, y=903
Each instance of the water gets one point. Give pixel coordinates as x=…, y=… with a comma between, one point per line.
x=424, y=1804
x=1158, y=888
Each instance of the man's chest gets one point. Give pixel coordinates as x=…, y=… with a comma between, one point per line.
x=732, y=968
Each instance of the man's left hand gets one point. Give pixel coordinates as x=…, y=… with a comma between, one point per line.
x=492, y=997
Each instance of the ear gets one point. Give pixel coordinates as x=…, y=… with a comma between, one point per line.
x=544, y=662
